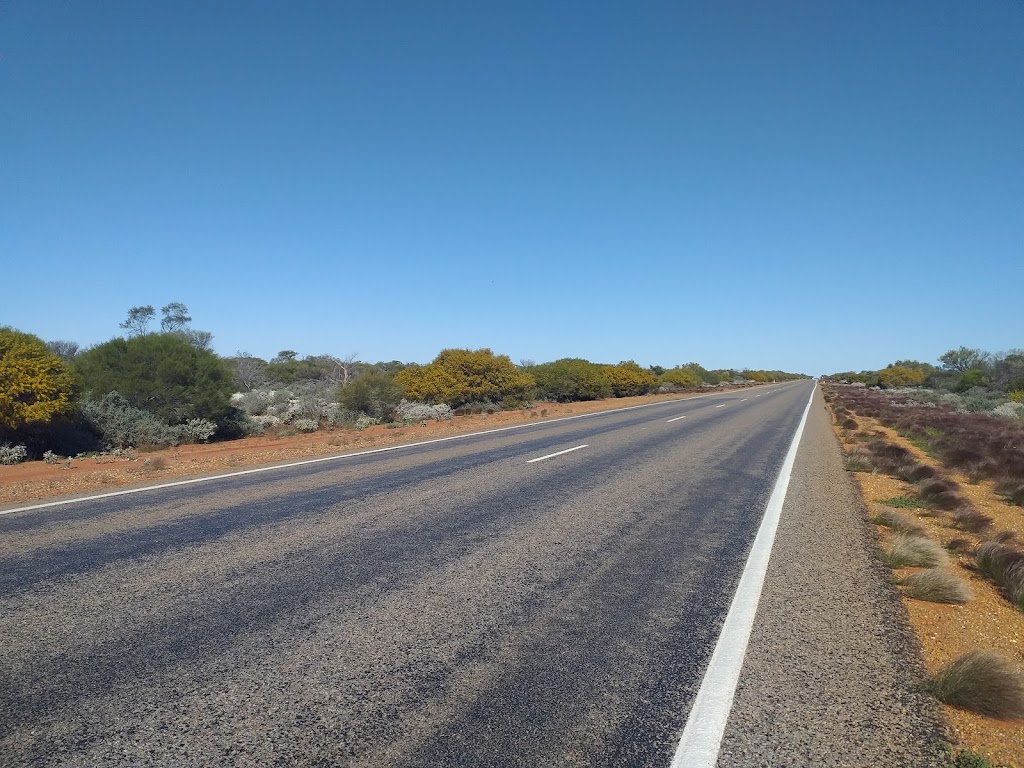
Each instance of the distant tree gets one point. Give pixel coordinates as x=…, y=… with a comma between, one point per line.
x=916, y=365
x=898, y=376
x=36, y=385
x=159, y=373
x=138, y=320
x=65, y=350
x=460, y=376
x=571, y=379
x=285, y=356
x=962, y=360
x=657, y=370
x=681, y=376
x=175, y=317
x=374, y=393
x=706, y=376
x=249, y=371
x=1008, y=372
x=198, y=339
x=627, y=379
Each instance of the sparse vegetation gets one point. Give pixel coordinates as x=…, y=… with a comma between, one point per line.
x=13, y=454
x=936, y=585
x=914, y=550
x=1000, y=560
x=901, y=502
x=970, y=519
x=890, y=518
x=984, y=682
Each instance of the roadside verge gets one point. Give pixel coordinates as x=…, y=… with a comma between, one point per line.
x=832, y=672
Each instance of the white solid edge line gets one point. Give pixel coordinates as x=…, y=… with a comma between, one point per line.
x=677, y=418
x=702, y=736
x=552, y=455
x=226, y=475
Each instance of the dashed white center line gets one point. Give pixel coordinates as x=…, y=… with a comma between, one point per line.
x=677, y=418
x=721, y=406
x=744, y=400
x=552, y=455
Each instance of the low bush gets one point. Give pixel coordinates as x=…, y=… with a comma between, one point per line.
x=1001, y=561
x=53, y=458
x=410, y=412
x=916, y=472
x=859, y=460
x=982, y=682
x=850, y=424
x=198, y=430
x=304, y=425
x=936, y=585
x=13, y=454
x=940, y=494
x=913, y=550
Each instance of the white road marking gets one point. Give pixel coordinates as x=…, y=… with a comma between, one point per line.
x=744, y=399
x=552, y=455
x=721, y=406
x=677, y=418
x=702, y=736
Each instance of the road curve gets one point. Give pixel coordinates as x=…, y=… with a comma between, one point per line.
x=458, y=603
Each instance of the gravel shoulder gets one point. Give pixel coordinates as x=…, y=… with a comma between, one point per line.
x=832, y=672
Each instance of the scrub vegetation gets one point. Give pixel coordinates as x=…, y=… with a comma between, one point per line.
x=942, y=475
x=159, y=384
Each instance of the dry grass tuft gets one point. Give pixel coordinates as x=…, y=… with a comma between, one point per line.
x=936, y=585
x=969, y=519
x=982, y=682
x=154, y=464
x=850, y=424
x=960, y=546
x=1012, y=491
x=917, y=551
x=890, y=518
x=859, y=460
x=1002, y=562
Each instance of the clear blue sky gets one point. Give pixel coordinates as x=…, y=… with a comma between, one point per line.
x=813, y=186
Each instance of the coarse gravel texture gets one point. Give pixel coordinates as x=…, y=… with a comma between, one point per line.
x=832, y=674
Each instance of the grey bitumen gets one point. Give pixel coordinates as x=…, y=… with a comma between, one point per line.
x=450, y=605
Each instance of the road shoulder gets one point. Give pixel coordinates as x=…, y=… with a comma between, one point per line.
x=832, y=673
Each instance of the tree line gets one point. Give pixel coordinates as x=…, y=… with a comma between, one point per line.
x=159, y=383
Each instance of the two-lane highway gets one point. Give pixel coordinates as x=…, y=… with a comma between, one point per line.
x=545, y=595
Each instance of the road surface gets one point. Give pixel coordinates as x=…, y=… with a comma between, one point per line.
x=546, y=595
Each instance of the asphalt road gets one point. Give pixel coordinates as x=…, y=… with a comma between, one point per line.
x=447, y=604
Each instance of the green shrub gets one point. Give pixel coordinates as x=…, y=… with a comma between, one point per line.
x=627, y=379
x=121, y=425
x=373, y=393
x=683, y=377
x=460, y=376
x=160, y=373
x=571, y=380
